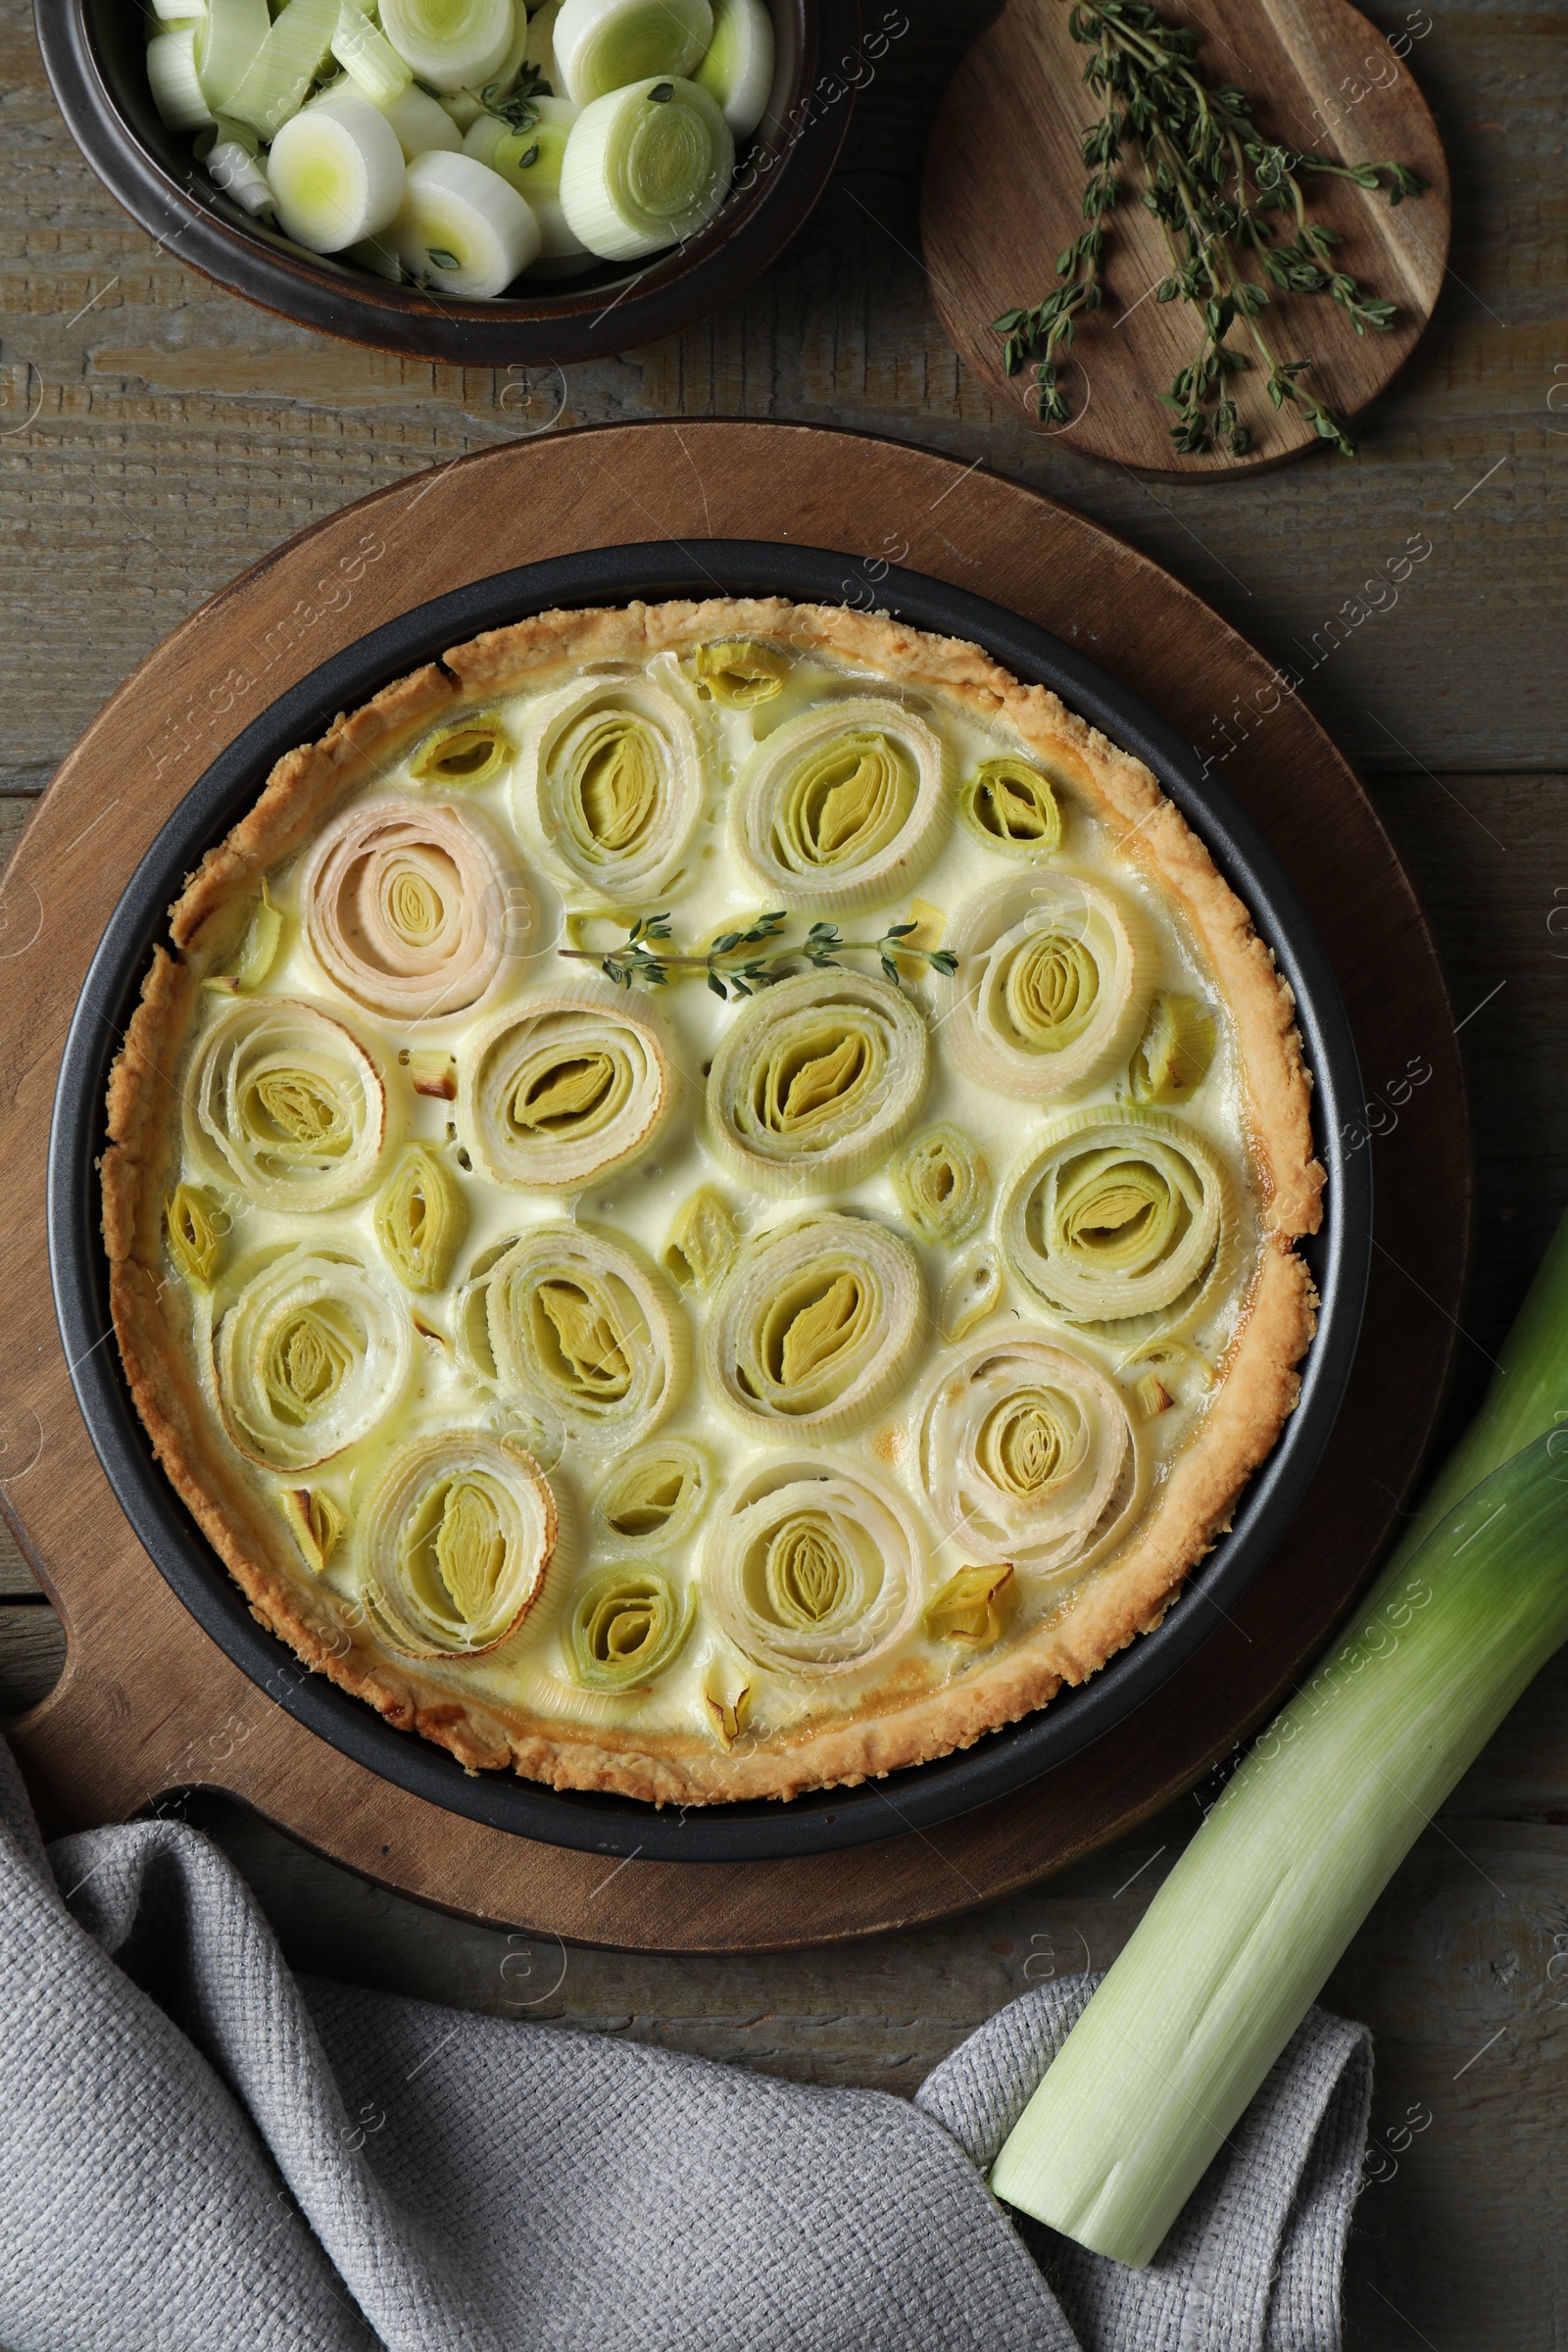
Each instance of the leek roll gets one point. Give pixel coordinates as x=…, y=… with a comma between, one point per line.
x=195, y=1227
x=1011, y=808
x=460, y=229
x=821, y=1321
x=284, y=1103
x=1174, y=1052
x=530, y=161
x=974, y=1290
x=842, y=808
x=457, y=1539
x=971, y=1607
x=563, y=1088
x=421, y=1220
x=703, y=1240
x=578, y=1331
x=942, y=1184
x=655, y=1496
x=609, y=786
x=1120, y=1213
x=336, y=174
x=405, y=906
x=466, y=751
x=1027, y=1454
x=817, y=1081
x=1052, y=985
x=814, y=1566
x=451, y=44
x=646, y=166
x=601, y=45
x=737, y=66
x=739, y=673
x=625, y=1626
x=309, y=1349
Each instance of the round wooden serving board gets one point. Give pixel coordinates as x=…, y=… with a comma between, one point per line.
x=1002, y=192
x=148, y=1704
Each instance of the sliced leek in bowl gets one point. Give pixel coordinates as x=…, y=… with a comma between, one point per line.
x=230, y=86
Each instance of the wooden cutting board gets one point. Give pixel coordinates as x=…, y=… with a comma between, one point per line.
x=148, y=1704
x=1002, y=192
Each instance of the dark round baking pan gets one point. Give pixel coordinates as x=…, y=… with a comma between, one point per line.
x=924, y=1795
x=93, y=53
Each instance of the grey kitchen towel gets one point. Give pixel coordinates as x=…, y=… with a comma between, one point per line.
x=200, y=2152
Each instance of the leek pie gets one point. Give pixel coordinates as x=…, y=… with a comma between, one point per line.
x=702, y=1200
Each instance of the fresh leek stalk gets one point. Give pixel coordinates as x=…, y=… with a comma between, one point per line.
x=233, y=32
x=368, y=57
x=451, y=44
x=646, y=166
x=271, y=90
x=530, y=161
x=423, y=128
x=462, y=229
x=602, y=45
x=180, y=12
x=175, y=80
x=336, y=174
x=737, y=65
x=1244, y=1931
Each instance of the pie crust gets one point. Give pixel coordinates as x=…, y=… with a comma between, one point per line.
x=922, y=1697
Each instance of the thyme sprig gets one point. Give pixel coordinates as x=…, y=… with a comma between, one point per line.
x=733, y=969
x=516, y=109
x=1214, y=182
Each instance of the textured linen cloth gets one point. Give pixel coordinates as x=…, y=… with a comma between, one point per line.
x=199, y=2152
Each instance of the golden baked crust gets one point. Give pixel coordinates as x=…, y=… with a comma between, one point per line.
x=1259, y=1384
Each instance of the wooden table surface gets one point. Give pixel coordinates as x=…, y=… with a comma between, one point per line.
x=155, y=436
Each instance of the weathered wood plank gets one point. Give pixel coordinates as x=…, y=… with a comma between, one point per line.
x=16, y=1579
x=32, y=1651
